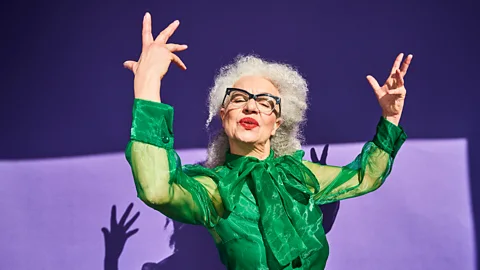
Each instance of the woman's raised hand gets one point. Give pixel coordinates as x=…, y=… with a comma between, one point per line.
x=154, y=61
x=391, y=95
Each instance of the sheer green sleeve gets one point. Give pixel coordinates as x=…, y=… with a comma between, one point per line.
x=157, y=171
x=366, y=173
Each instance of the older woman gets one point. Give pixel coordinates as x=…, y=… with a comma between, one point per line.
x=256, y=195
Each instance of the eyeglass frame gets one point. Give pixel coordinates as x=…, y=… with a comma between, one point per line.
x=278, y=100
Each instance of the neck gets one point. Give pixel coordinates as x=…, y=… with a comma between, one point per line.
x=260, y=151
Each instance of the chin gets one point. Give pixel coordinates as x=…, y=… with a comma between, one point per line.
x=248, y=137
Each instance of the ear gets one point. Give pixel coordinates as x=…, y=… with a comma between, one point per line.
x=278, y=123
x=222, y=114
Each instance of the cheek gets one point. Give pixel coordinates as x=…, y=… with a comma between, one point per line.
x=270, y=120
x=269, y=123
x=229, y=120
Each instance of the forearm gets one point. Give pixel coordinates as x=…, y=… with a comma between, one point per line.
x=110, y=263
x=375, y=162
x=150, y=170
x=371, y=169
x=367, y=172
x=149, y=150
x=380, y=154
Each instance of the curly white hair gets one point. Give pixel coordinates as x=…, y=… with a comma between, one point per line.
x=293, y=90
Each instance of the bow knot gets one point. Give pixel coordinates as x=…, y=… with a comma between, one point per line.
x=277, y=184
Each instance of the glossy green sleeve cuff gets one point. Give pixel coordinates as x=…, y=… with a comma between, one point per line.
x=152, y=123
x=389, y=137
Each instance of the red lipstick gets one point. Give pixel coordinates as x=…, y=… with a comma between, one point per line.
x=248, y=123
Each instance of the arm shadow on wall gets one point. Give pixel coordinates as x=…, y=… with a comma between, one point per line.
x=194, y=247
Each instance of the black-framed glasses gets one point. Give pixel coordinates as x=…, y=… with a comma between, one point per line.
x=238, y=98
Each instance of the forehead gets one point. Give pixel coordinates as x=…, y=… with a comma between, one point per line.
x=256, y=85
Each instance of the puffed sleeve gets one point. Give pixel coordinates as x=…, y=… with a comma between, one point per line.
x=366, y=173
x=160, y=179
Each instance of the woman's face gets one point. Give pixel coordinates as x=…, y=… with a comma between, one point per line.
x=247, y=123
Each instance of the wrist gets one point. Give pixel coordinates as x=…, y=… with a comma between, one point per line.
x=395, y=119
x=148, y=97
x=147, y=88
x=389, y=137
x=152, y=123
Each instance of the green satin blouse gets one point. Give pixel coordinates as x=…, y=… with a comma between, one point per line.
x=262, y=214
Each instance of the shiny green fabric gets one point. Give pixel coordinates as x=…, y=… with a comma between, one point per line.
x=262, y=214
x=275, y=184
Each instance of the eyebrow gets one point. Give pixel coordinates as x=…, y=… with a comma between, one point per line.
x=261, y=93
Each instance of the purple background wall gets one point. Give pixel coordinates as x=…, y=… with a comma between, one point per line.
x=53, y=220
x=66, y=96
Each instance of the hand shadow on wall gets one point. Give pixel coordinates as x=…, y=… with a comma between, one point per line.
x=117, y=236
x=194, y=247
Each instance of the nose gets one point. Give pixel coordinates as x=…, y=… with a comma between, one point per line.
x=250, y=107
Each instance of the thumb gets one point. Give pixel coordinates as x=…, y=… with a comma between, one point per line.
x=373, y=82
x=105, y=233
x=130, y=65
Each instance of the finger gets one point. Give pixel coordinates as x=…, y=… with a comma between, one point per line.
x=167, y=222
x=396, y=64
x=125, y=215
x=132, y=232
x=323, y=158
x=373, y=82
x=130, y=65
x=178, y=61
x=147, y=37
x=113, y=217
x=131, y=221
x=399, y=78
x=406, y=64
x=397, y=91
x=105, y=233
x=167, y=32
x=176, y=47
x=313, y=155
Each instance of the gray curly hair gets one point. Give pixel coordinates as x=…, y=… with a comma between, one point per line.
x=293, y=91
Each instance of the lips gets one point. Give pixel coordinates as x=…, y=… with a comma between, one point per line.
x=248, y=123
